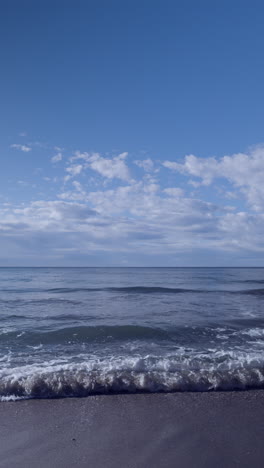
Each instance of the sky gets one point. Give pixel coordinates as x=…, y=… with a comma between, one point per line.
x=131, y=133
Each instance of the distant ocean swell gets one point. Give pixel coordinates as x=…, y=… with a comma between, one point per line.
x=224, y=371
x=127, y=290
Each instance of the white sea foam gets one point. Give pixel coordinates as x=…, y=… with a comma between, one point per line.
x=227, y=371
x=36, y=347
x=254, y=332
x=11, y=398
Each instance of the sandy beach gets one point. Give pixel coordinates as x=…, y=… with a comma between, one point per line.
x=222, y=429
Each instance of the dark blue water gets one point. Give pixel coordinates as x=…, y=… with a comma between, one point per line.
x=79, y=331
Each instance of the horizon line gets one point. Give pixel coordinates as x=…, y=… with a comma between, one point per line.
x=122, y=266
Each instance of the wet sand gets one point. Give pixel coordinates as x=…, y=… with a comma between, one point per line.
x=224, y=429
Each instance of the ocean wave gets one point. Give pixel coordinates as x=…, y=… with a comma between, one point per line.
x=130, y=375
x=124, y=290
x=119, y=289
x=239, y=331
x=79, y=334
x=249, y=281
x=255, y=292
x=34, y=302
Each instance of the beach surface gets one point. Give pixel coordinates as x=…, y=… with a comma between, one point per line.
x=218, y=429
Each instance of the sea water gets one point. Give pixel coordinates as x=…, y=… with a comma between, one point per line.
x=78, y=331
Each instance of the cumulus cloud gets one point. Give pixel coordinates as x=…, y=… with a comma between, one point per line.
x=110, y=168
x=145, y=201
x=244, y=170
x=146, y=164
x=132, y=218
x=56, y=158
x=23, y=148
x=125, y=218
x=73, y=171
x=149, y=216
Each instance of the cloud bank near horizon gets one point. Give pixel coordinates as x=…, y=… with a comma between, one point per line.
x=120, y=209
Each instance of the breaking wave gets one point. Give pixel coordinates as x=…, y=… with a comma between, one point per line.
x=52, y=379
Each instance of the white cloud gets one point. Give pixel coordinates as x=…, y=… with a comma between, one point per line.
x=23, y=148
x=78, y=155
x=114, y=168
x=73, y=171
x=149, y=216
x=174, y=192
x=133, y=218
x=146, y=164
x=151, y=188
x=244, y=170
x=77, y=186
x=110, y=168
x=42, y=215
x=56, y=158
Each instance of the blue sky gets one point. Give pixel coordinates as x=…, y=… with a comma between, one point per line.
x=132, y=133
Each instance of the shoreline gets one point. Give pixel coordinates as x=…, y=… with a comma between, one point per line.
x=157, y=430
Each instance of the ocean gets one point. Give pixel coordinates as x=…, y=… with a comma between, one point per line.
x=73, y=332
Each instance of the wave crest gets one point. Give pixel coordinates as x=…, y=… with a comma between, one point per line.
x=129, y=375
